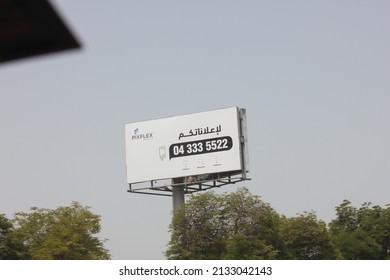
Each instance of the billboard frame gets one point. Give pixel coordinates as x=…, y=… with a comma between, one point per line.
x=203, y=182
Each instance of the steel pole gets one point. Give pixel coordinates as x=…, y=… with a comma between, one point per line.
x=177, y=193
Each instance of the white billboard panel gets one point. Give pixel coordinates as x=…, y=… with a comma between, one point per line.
x=182, y=146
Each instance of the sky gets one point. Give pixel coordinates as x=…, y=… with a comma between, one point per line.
x=312, y=75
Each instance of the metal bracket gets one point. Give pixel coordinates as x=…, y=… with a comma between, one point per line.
x=191, y=184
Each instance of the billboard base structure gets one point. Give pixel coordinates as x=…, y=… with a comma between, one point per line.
x=188, y=185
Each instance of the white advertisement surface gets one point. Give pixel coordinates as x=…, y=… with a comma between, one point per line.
x=181, y=146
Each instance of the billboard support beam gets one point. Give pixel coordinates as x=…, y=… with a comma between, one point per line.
x=155, y=188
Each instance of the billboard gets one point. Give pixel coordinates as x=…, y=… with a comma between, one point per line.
x=187, y=145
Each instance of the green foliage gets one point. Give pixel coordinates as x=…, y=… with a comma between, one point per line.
x=362, y=233
x=5, y=228
x=196, y=229
x=252, y=224
x=306, y=238
x=228, y=226
x=346, y=218
x=356, y=245
x=240, y=225
x=9, y=249
x=243, y=247
x=65, y=233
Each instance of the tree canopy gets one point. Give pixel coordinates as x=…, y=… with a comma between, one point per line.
x=362, y=233
x=65, y=233
x=240, y=225
x=306, y=238
x=229, y=226
x=9, y=249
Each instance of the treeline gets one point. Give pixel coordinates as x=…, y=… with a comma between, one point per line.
x=65, y=233
x=240, y=225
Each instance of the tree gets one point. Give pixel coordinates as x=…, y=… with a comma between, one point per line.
x=5, y=229
x=8, y=250
x=240, y=225
x=356, y=245
x=384, y=235
x=197, y=229
x=253, y=227
x=306, y=238
x=375, y=221
x=362, y=233
x=346, y=218
x=228, y=226
x=65, y=233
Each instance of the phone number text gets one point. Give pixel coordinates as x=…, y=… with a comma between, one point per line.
x=200, y=147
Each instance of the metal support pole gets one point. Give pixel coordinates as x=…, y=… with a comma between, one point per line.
x=177, y=192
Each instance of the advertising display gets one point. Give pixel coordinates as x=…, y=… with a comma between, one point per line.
x=186, y=145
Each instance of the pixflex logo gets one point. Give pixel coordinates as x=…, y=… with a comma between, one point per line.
x=138, y=136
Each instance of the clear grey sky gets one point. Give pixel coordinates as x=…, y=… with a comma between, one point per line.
x=313, y=76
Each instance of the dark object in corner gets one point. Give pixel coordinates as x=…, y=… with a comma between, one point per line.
x=31, y=27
